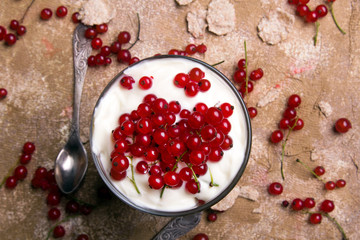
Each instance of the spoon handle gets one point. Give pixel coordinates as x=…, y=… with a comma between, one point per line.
x=82, y=50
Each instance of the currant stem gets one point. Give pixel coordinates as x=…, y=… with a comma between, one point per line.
x=218, y=63
x=138, y=32
x=194, y=175
x=132, y=179
x=335, y=21
x=308, y=168
x=317, y=25
x=344, y=237
x=212, y=184
x=246, y=75
x=283, y=149
x=27, y=9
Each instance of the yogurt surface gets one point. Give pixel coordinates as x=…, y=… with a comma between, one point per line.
x=118, y=100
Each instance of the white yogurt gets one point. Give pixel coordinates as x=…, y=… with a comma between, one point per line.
x=118, y=100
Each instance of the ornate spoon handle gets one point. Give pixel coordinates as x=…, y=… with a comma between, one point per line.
x=178, y=227
x=82, y=51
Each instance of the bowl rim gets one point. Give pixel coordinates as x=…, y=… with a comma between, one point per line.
x=200, y=207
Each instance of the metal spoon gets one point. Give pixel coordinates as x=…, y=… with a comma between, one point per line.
x=72, y=162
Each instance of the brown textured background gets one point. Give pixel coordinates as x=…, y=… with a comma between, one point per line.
x=37, y=72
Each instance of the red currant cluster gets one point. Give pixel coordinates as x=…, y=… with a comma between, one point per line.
x=102, y=58
x=289, y=120
x=145, y=82
x=20, y=171
x=171, y=152
x=240, y=77
x=193, y=82
x=45, y=180
x=10, y=38
x=304, y=11
x=319, y=171
x=190, y=49
x=342, y=125
x=3, y=93
x=61, y=12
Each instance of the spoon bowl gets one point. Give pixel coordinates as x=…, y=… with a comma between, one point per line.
x=71, y=165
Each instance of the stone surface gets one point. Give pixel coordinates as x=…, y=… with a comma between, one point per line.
x=37, y=72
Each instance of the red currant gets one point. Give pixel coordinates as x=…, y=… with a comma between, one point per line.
x=61, y=11
x=340, y=183
x=211, y=217
x=227, y=109
x=204, y=85
x=289, y=113
x=342, y=125
x=312, y=17
x=315, y=218
x=14, y=24
x=214, y=116
x=276, y=136
x=134, y=60
x=284, y=123
x=25, y=158
x=302, y=10
x=294, y=101
x=319, y=170
x=53, y=199
x=293, y=2
x=240, y=76
x=330, y=185
x=21, y=30
x=298, y=125
x=196, y=74
x=46, y=14
x=10, y=39
x=201, y=48
x=309, y=203
x=142, y=167
x=256, y=74
x=96, y=43
x=241, y=63
x=127, y=82
x=20, y=172
x=275, y=188
x=2, y=32
x=192, y=187
x=171, y=178
x=297, y=204
x=11, y=182
x=191, y=89
x=102, y=28
x=145, y=83
x=54, y=213
x=29, y=148
x=116, y=175
x=190, y=49
x=120, y=163
x=327, y=206
x=82, y=237
x=75, y=17
x=59, y=231
x=115, y=47
x=124, y=37
x=200, y=236
x=321, y=10
x=124, y=56
x=72, y=206
x=252, y=112
x=3, y=93
x=156, y=181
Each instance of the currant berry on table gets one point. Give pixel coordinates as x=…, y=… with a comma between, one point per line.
x=342, y=125
x=46, y=14
x=275, y=188
x=3, y=93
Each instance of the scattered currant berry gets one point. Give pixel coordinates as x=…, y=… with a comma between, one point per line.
x=96, y=43
x=275, y=188
x=29, y=148
x=90, y=33
x=105, y=51
x=327, y=206
x=82, y=237
x=256, y=74
x=2, y=32
x=284, y=124
x=321, y=10
x=302, y=10
x=3, y=93
x=342, y=125
x=315, y=218
x=276, y=136
x=46, y=14
x=191, y=49
x=309, y=203
x=20, y=172
x=91, y=61
x=289, y=113
x=14, y=24
x=21, y=30
x=102, y=28
x=201, y=236
x=330, y=185
x=75, y=17
x=240, y=76
x=319, y=170
x=294, y=101
x=252, y=112
x=340, y=183
x=298, y=125
x=134, y=60
x=124, y=37
x=124, y=56
x=201, y=48
x=53, y=199
x=25, y=158
x=115, y=47
x=59, y=231
x=211, y=217
x=61, y=11
x=11, y=182
x=72, y=207
x=312, y=17
x=54, y=213
x=297, y=204
x=285, y=203
x=10, y=39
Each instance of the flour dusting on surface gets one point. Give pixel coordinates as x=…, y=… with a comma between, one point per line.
x=221, y=17
x=96, y=12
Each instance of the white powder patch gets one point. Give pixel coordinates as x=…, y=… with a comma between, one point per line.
x=276, y=26
x=325, y=108
x=221, y=17
x=64, y=132
x=269, y=97
x=96, y=12
x=184, y=2
x=196, y=23
x=249, y=193
x=228, y=201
